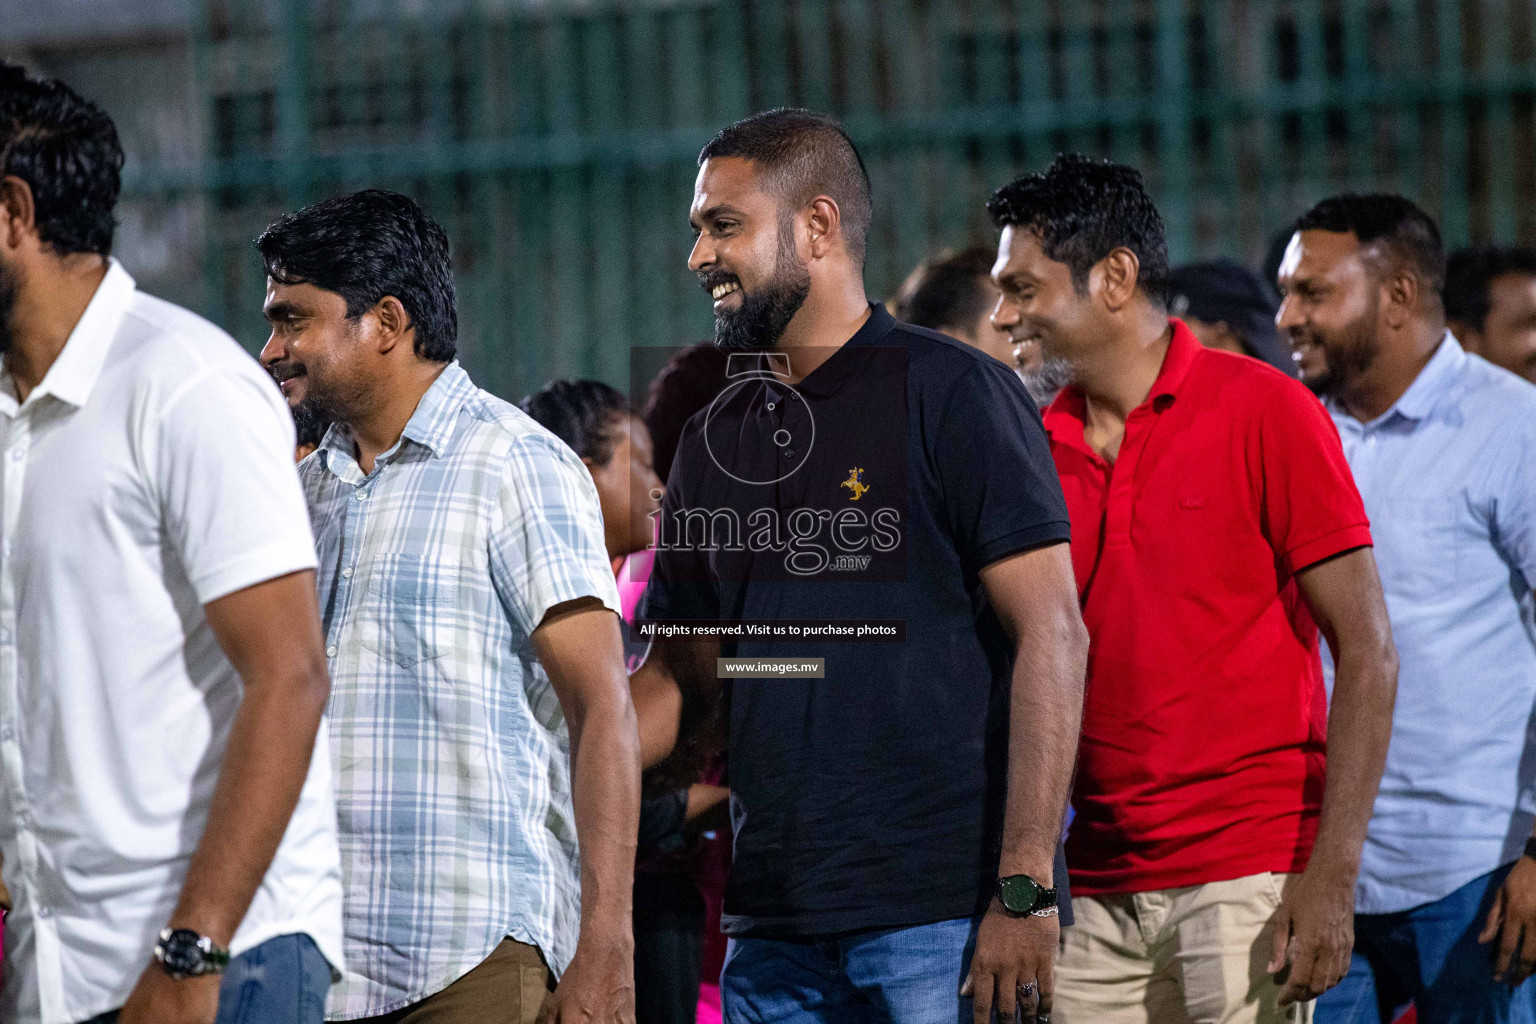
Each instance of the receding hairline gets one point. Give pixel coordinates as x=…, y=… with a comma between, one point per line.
x=1380, y=255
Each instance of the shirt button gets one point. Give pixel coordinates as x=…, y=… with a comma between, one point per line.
x=6, y=733
x=789, y=453
x=346, y=573
x=330, y=652
x=43, y=911
x=18, y=454
x=5, y=636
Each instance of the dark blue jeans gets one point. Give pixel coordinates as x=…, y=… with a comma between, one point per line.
x=1431, y=955
x=282, y=981
x=888, y=976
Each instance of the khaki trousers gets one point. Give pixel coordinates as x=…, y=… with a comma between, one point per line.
x=508, y=987
x=1194, y=955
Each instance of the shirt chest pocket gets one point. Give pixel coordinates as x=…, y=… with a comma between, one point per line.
x=1418, y=542
x=414, y=610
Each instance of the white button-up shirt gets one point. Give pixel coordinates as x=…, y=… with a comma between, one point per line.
x=149, y=473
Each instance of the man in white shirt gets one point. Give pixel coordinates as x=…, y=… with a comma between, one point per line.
x=166, y=818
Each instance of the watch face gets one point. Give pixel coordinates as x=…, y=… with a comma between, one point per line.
x=1018, y=893
x=181, y=952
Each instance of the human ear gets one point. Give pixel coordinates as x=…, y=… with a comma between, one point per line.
x=1118, y=274
x=394, y=323
x=823, y=225
x=18, y=210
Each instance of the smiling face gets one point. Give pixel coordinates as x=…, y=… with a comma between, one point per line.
x=744, y=255
x=1330, y=309
x=1039, y=307
x=315, y=353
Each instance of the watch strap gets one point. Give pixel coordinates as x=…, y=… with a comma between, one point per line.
x=1530, y=847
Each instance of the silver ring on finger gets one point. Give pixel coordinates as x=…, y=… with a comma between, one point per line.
x=1026, y=989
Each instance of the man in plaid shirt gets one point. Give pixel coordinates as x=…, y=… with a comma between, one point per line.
x=480, y=714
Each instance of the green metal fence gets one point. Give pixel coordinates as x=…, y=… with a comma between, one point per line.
x=557, y=145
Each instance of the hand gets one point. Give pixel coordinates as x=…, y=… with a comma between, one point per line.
x=159, y=998
x=1314, y=932
x=598, y=986
x=1512, y=920
x=1012, y=951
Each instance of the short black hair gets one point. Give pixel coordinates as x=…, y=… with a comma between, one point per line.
x=803, y=154
x=948, y=292
x=1469, y=274
x=365, y=246
x=582, y=413
x=66, y=149
x=1390, y=223
x=1082, y=209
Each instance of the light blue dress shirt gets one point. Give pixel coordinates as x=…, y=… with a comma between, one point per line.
x=1448, y=475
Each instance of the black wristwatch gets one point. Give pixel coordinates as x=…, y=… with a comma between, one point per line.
x=1020, y=894
x=1530, y=848
x=185, y=954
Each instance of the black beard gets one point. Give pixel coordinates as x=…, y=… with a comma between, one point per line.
x=766, y=310
x=1349, y=357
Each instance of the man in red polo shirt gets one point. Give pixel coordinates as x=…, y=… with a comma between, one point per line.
x=1215, y=528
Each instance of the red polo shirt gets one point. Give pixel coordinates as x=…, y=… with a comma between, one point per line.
x=1203, y=734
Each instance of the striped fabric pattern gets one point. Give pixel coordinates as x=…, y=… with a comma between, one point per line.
x=451, y=751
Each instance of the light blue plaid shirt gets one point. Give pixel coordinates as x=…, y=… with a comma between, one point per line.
x=452, y=766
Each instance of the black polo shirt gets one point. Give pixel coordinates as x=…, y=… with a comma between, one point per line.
x=875, y=489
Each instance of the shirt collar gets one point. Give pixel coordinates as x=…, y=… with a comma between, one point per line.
x=1070, y=409
x=827, y=378
x=431, y=425
x=436, y=415
x=1433, y=381
x=74, y=373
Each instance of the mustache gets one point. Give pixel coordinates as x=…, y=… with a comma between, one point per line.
x=1298, y=333
x=286, y=369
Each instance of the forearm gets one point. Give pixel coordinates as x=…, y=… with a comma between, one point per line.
x=1359, y=727
x=658, y=703
x=605, y=756
x=266, y=761
x=705, y=799
x=673, y=692
x=1044, y=722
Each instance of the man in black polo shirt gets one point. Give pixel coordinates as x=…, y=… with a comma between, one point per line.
x=902, y=806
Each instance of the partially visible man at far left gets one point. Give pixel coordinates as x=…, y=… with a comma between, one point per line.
x=166, y=816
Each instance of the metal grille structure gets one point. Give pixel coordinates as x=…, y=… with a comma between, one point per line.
x=557, y=144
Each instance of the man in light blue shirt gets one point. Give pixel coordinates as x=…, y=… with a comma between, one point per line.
x=1443, y=448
